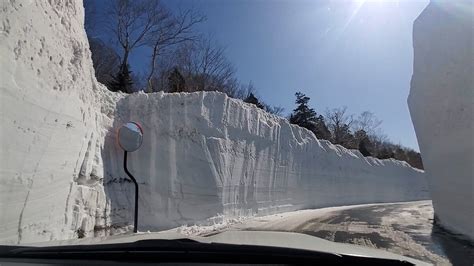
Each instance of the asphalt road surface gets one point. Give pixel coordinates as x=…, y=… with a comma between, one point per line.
x=402, y=228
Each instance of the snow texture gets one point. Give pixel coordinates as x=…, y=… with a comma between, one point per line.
x=204, y=155
x=441, y=104
x=54, y=117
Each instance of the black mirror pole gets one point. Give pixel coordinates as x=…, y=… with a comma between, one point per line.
x=136, y=191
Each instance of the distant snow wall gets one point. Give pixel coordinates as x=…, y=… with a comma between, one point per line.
x=441, y=104
x=203, y=154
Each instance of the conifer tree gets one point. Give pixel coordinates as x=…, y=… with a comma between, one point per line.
x=176, y=82
x=254, y=100
x=306, y=117
x=122, y=81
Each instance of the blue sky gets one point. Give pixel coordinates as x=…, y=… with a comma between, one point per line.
x=340, y=53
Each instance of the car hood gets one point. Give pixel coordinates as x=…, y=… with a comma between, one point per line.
x=259, y=238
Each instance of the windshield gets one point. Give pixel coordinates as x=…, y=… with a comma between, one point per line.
x=349, y=121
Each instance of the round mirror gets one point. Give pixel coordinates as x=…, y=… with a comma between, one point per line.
x=130, y=136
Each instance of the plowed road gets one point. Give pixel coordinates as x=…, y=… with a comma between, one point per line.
x=402, y=228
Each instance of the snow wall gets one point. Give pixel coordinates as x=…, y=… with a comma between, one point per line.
x=441, y=104
x=54, y=118
x=204, y=154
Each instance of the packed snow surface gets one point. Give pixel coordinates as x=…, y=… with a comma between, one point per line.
x=441, y=103
x=204, y=156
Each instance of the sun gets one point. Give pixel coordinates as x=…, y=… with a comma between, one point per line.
x=379, y=2
x=358, y=4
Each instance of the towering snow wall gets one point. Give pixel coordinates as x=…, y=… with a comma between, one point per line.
x=203, y=154
x=441, y=105
x=51, y=129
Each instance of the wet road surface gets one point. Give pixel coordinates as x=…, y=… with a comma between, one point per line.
x=402, y=228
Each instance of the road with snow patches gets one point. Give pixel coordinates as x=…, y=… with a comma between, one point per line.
x=402, y=228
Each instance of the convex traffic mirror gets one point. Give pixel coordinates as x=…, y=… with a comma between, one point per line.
x=130, y=136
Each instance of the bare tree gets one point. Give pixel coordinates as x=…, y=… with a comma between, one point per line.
x=339, y=123
x=378, y=140
x=243, y=91
x=213, y=67
x=276, y=110
x=169, y=59
x=367, y=122
x=138, y=81
x=132, y=21
x=171, y=30
x=105, y=60
x=235, y=90
x=205, y=67
x=163, y=67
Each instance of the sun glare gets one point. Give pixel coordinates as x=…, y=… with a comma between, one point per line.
x=358, y=4
x=377, y=1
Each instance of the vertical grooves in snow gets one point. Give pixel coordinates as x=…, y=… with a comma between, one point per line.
x=220, y=155
x=20, y=218
x=66, y=209
x=194, y=137
x=50, y=100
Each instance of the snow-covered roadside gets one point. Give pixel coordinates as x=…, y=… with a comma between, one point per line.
x=292, y=221
x=403, y=228
x=204, y=154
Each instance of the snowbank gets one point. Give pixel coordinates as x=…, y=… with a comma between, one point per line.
x=52, y=125
x=204, y=155
x=441, y=105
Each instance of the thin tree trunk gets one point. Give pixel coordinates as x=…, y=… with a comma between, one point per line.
x=125, y=60
x=152, y=70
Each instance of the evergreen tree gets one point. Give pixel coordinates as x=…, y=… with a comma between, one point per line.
x=176, y=82
x=400, y=154
x=306, y=117
x=122, y=81
x=385, y=153
x=342, y=136
x=363, y=142
x=254, y=100
x=414, y=159
x=363, y=149
x=303, y=115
